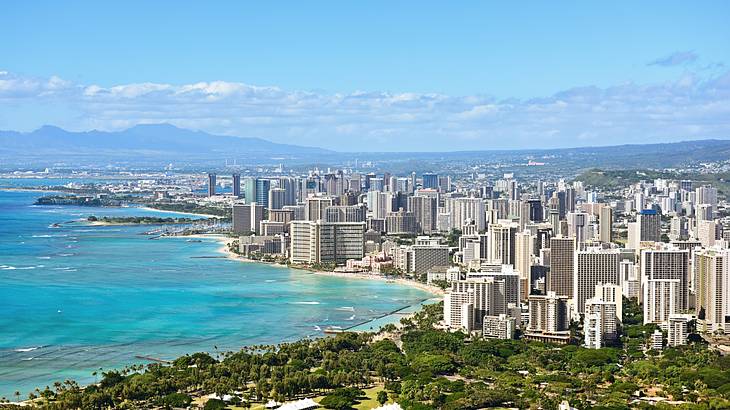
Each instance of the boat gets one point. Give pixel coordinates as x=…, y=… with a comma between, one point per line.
x=56, y=225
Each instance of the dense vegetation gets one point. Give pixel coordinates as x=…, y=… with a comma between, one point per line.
x=607, y=180
x=139, y=220
x=421, y=368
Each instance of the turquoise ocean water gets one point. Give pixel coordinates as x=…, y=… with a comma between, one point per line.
x=78, y=298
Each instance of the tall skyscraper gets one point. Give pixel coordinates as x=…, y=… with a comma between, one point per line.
x=277, y=198
x=524, y=246
x=712, y=288
x=649, y=224
x=665, y=278
x=249, y=189
x=247, y=218
x=578, y=227
x=501, y=246
x=606, y=224
x=211, y=184
x=593, y=267
x=430, y=181
x=560, y=276
x=315, y=207
x=237, y=185
x=262, y=191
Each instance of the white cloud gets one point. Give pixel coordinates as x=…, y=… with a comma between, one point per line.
x=688, y=107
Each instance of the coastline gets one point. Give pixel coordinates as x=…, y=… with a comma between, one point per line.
x=436, y=292
x=226, y=241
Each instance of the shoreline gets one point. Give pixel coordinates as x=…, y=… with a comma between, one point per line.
x=225, y=242
x=434, y=291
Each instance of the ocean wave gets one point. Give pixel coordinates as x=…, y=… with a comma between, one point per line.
x=270, y=280
x=351, y=318
x=8, y=267
x=65, y=254
x=43, y=257
x=305, y=303
x=346, y=308
x=317, y=328
x=27, y=349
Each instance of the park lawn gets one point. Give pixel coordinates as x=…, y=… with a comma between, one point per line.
x=369, y=402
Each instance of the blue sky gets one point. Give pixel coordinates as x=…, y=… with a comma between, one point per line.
x=383, y=75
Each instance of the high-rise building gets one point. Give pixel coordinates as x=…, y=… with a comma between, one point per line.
x=535, y=210
x=465, y=210
x=578, y=227
x=602, y=316
x=677, y=330
x=315, y=207
x=524, y=256
x=237, y=185
x=712, y=289
x=277, y=198
x=400, y=223
x=606, y=224
x=593, y=267
x=665, y=283
x=211, y=184
x=549, y=321
x=262, y=191
x=316, y=242
x=247, y=218
x=501, y=244
x=431, y=181
x=346, y=213
x=648, y=221
x=560, y=276
x=419, y=258
x=249, y=189
x=425, y=209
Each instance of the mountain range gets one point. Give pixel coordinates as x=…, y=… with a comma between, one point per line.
x=163, y=142
x=153, y=140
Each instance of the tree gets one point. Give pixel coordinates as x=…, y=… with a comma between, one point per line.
x=382, y=397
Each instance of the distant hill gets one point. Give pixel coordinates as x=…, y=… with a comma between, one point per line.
x=158, y=141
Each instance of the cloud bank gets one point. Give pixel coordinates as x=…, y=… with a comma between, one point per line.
x=674, y=59
x=690, y=107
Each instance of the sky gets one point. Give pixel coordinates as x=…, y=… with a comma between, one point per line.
x=375, y=75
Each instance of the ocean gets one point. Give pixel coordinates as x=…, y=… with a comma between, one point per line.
x=81, y=299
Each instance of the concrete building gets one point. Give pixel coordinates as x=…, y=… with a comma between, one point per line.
x=665, y=283
x=346, y=213
x=712, y=289
x=315, y=207
x=678, y=329
x=649, y=225
x=211, y=184
x=549, y=318
x=602, y=316
x=606, y=224
x=419, y=259
x=247, y=218
x=562, y=261
x=400, y=223
x=592, y=267
x=316, y=242
x=499, y=327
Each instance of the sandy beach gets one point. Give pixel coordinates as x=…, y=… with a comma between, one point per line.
x=225, y=241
